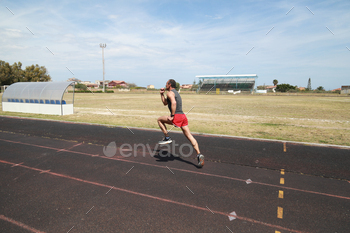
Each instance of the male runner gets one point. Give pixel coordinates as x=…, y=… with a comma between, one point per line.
x=176, y=118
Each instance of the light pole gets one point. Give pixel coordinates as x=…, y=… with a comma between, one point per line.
x=103, y=62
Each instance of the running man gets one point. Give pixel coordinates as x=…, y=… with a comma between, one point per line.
x=176, y=118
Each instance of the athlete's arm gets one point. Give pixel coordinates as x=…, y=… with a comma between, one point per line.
x=164, y=101
x=171, y=96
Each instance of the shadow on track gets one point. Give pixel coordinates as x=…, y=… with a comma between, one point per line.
x=165, y=156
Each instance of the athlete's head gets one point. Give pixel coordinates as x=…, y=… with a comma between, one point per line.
x=172, y=83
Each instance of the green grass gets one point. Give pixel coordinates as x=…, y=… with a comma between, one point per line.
x=304, y=118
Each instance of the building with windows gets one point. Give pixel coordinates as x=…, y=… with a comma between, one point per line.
x=345, y=90
x=115, y=83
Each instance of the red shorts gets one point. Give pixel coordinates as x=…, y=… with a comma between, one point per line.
x=180, y=120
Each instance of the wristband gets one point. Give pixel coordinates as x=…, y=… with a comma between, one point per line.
x=171, y=115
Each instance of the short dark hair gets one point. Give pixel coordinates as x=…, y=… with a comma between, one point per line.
x=172, y=83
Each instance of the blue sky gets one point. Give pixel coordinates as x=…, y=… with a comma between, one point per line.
x=149, y=42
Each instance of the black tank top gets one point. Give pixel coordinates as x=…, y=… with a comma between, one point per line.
x=178, y=103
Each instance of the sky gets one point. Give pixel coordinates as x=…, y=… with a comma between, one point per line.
x=149, y=42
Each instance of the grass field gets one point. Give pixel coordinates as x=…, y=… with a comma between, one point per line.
x=311, y=118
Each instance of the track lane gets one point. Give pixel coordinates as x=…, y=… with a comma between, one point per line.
x=219, y=186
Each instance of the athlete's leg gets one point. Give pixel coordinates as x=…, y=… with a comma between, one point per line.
x=187, y=133
x=161, y=122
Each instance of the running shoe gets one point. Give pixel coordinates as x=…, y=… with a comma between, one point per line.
x=200, y=158
x=166, y=140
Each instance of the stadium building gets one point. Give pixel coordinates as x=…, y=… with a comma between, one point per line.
x=217, y=83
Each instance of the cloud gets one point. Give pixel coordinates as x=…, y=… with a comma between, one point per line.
x=113, y=16
x=216, y=17
x=151, y=39
x=10, y=33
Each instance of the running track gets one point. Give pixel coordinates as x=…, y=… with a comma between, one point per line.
x=56, y=177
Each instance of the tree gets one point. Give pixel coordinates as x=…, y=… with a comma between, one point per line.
x=81, y=86
x=285, y=87
x=13, y=73
x=36, y=74
x=309, y=85
x=10, y=73
x=130, y=85
x=5, y=73
x=320, y=88
x=261, y=87
x=275, y=82
x=17, y=72
x=177, y=86
x=194, y=86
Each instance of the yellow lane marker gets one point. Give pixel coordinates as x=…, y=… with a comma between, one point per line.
x=277, y=232
x=280, y=194
x=279, y=212
x=284, y=147
x=282, y=171
x=281, y=180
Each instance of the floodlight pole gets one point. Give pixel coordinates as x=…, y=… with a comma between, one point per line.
x=103, y=63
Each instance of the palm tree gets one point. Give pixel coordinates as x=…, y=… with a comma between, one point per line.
x=275, y=82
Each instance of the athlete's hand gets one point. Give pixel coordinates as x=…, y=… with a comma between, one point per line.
x=170, y=118
x=162, y=90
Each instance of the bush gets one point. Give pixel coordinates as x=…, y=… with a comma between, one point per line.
x=320, y=88
x=81, y=86
x=285, y=87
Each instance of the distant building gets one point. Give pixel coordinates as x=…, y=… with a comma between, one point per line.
x=94, y=85
x=89, y=84
x=266, y=88
x=345, y=90
x=74, y=80
x=338, y=89
x=115, y=83
x=186, y=86
x=301, y=88
x=271, y=88
x=217, y=83
x=150, y=87
x=100, y=83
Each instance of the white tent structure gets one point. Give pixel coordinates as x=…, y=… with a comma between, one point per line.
x=39, y=97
